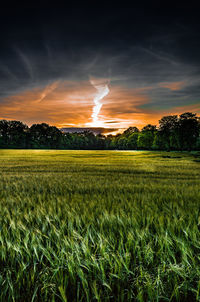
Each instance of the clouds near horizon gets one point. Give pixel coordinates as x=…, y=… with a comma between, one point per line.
x=70, y=103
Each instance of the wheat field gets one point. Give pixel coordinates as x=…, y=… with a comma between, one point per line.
x=99, y=226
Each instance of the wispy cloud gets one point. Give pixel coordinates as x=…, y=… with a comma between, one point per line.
x=173, y=85
x=26, y=62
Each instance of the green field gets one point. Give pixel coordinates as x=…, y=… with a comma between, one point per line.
x=99, y=226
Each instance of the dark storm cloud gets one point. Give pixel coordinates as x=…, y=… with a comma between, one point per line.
x=134, y=47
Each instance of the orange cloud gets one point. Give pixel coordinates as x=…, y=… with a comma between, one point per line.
x=58, y=104
x=173, y=85
x=195, y=108
x=70, y=104
x=122, y=106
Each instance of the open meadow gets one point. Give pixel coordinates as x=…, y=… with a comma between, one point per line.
x=99, y=226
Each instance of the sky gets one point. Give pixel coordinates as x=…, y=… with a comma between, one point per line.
x=96, y=65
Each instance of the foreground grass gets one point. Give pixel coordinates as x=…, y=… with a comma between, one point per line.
x=99, y=226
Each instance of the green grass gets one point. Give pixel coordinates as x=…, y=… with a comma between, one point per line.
x=99, y=226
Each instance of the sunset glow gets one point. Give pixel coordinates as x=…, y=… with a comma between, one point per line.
x=77, y=104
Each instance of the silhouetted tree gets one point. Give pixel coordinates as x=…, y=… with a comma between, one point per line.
x=4, y=133
x=132, y=141
x=188, y=130
x=130, y=130
x=145, y=140
x=168, y=126
x=45, y=136
x=13, y=134
x=149, y=127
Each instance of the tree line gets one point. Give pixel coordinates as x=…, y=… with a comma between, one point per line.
x=173, y=133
